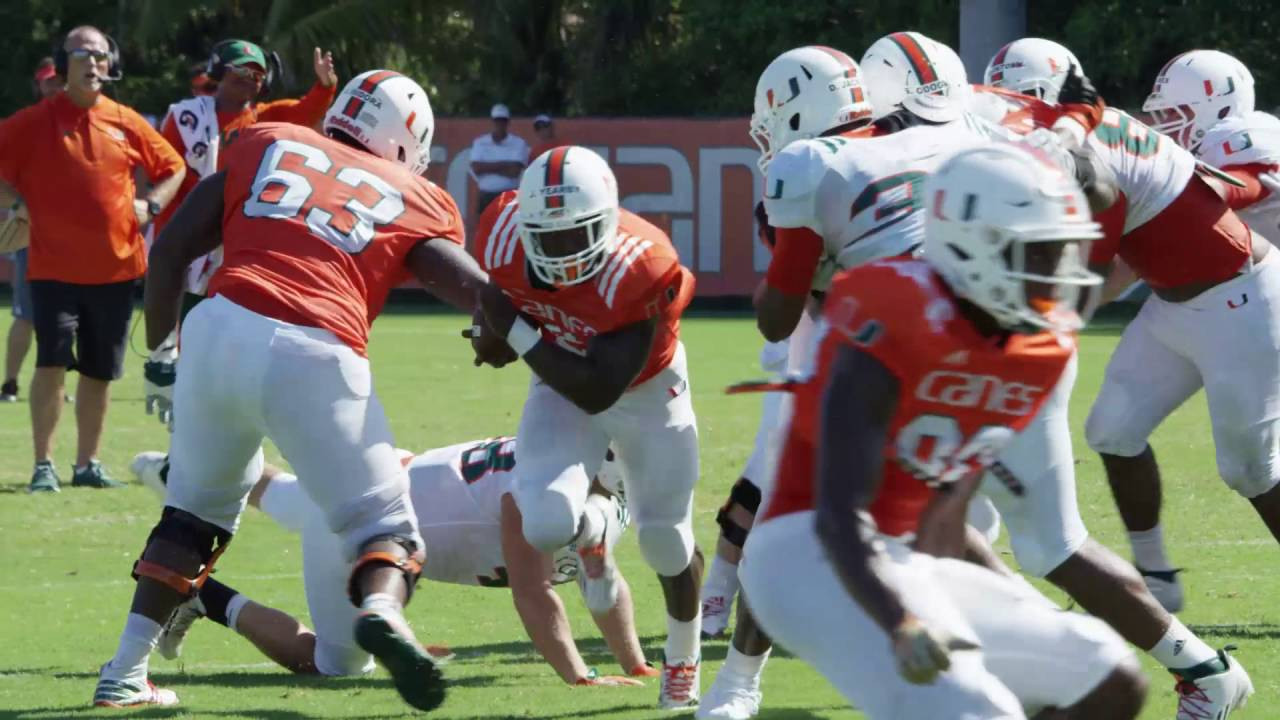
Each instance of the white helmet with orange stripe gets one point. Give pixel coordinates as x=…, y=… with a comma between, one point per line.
x=909, y=70
x=1031, y=66
x=803, y=93
x=1004, y=229
x=568, y=214
x=1194, y=91
x=388, y=114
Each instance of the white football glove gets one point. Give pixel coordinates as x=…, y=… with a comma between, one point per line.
x=159, y=374
x=922, y=652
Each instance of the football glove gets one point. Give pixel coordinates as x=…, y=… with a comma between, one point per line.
x=922, y=652
x=1080, y=100
x=159, y=373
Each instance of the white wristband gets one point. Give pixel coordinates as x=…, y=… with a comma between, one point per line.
x=522, y=336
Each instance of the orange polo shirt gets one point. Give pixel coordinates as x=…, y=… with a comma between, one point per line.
x=74, y=169
x=307, y=110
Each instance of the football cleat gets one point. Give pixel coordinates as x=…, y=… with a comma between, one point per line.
x=680, y=681
x=151, y=468
x=388, y=638
x=1165, y=587
x=716, y=609
x=599, y=576
x=176, y=627
x=115, y=693
x=1207, y=693
x=732, y=696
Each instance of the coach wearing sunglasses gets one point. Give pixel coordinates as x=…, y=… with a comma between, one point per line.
x=72, y=158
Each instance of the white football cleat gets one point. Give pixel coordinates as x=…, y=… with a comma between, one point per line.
x=116, y=693
x=598, y=578
x=1207, y=695
x=680, y=684
x=732, y=696
x=716, y=609
x=151, y=468
x=1165, y=587
x=176, y=627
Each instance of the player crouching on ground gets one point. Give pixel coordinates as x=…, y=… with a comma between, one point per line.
x=457, y=493
x=315, y=231
x=926, y=369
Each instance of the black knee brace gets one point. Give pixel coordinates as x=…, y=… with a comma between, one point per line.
x=746, y=494
x=187, y=531
x=410, y=563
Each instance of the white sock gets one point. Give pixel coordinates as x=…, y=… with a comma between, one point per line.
x=1148, y=549
x=593, y=525
x=683, y=639
x=748, y=666
x=234, y=606
x=722, y=578
x=139, y=638
x=1180, y=648
x=380, y=602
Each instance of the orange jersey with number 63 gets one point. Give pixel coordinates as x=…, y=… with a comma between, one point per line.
x=642, y=278
x=961, y=396
x=315, y=232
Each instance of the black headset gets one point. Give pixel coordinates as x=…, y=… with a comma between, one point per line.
x=217, y=67
x=115, y=68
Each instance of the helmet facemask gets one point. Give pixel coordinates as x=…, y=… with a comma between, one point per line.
x=569, y=253
x=1176, y=121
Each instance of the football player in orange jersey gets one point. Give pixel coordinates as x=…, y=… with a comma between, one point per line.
x=315, y=231
x=925, y=370
x=590, y=295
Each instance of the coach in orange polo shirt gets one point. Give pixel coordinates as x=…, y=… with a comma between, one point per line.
x=71, y=157
x=199, y=127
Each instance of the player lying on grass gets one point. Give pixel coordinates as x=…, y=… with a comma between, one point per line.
x=457, y=493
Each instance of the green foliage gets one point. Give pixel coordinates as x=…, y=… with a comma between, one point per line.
x=601, y=57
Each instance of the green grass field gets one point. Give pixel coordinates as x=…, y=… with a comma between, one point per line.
x=65, y=585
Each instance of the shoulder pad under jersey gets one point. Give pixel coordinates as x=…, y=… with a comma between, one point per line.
x=791, y=185
x=1254, y=138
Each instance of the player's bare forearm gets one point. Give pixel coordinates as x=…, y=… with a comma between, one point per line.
x=194, y=230
x=163, y=191
x=448, y=271
x=857, y=406
x=943, y=525
x=778, y=313
x=595, y=381
x=618, y=627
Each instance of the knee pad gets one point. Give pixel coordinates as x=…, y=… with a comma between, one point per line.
x=668, y=550
x=549, y=524
x=746, y=494
x=1108, y=431
x=1249, y=478
x=404, y=554
x=185, y=530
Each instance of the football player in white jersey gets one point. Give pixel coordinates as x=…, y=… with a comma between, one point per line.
x=1166, y=217
x=459, y=491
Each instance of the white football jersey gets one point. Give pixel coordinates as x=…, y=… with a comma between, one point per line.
x=864, y=195
x=1253, y=138
x=457, y=494
x=1150, y=169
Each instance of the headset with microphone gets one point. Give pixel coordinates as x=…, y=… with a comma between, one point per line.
x=115, y=68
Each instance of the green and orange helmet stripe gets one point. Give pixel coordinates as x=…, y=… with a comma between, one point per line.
x=856, y=93
x=920, y=62
x=554, y=175
x=997, y=61
x=356, y=104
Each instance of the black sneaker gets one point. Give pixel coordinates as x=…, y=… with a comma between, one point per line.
x=9, y=391
x=44, y=478
x=94, y=476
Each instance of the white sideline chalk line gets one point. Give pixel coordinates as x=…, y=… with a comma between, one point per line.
x=130, y=581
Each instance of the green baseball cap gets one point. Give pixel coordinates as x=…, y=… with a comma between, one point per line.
x=241, y=52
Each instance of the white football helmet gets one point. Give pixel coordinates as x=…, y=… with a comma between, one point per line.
x=803, y=93
x=907, y=69
x=569, y=188
x=389, y=114
x=1031, y=66
x=997, y=222
x=1194, y=91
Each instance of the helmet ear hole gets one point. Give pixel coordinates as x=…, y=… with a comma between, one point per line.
x=1225, y=111
x=400, y=155
x=794, y=122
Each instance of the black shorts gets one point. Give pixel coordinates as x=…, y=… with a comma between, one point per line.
x=82, y=327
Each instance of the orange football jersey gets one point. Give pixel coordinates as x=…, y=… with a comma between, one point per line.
x=315, y=232
x=961, y=396
x=641, y=279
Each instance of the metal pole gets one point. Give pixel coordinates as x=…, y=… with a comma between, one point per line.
x=985, y=27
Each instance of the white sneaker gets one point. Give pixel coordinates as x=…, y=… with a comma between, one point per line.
x=716, y=609
x=680, y=684
x=732, y=696
x=151, y=468
x=598, y=577
x=1203, y=696
x=115, y=693
x=1165, y=587
x=175, y=628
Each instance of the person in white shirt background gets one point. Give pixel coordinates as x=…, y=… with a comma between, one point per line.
x=497, y=159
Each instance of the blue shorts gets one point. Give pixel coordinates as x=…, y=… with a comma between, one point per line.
x=21, y=288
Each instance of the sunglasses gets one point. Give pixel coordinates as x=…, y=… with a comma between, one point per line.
x=245, y=72
x=87, y=53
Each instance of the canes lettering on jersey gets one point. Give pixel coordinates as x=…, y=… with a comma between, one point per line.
x=961, y=397
x=643, y=278
x=316, y=232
